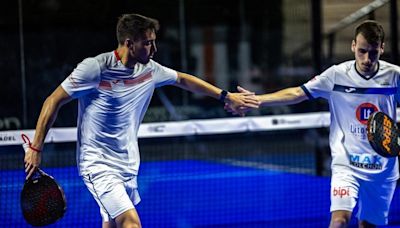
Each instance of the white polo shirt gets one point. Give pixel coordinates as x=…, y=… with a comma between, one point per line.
x=352, y=98
x=112, y=102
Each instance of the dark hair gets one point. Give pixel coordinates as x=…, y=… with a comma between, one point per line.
x=134, y=26
x=372, y=32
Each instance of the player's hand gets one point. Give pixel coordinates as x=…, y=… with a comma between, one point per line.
x=242, y=102
x=243, y=90
x=32, y=161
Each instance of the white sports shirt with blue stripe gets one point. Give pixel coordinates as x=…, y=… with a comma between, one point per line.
x=352, y=98
x=112, y=102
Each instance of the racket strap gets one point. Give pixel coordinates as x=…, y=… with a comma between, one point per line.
x=27, y=141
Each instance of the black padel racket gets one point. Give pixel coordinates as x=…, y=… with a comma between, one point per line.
x=383, y=135
x=42, y=199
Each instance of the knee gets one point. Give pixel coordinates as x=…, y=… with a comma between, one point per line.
x=129, y=223
x=339, y=222
x=128, y=219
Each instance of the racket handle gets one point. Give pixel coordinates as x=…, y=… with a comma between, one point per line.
x=36, y=175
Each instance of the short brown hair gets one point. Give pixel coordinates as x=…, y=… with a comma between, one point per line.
x=134, y=26
x=372, y=31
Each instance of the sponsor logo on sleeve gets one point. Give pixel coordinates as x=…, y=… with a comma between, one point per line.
x=72, y=81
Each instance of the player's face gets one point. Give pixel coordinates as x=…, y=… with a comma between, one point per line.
x=145, y=47
x=366, y=55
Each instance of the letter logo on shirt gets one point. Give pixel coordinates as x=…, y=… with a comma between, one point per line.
x=366, y=161
x=363, y=112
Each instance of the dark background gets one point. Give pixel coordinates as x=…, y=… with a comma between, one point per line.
x=56, y=35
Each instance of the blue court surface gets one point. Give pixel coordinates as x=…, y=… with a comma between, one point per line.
x=193, y=193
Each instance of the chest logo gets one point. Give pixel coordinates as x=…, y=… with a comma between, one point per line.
x=350, y=90
x=363, y=112
x=109, y=84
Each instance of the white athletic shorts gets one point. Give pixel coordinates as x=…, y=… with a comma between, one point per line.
x=113, y=193
x=373, y=197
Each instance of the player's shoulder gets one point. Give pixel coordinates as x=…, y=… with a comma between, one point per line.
x=89, y=68
x=153, y=64
x=386, y=66
x=344, y=66
x=105, y=60
x=338, y=69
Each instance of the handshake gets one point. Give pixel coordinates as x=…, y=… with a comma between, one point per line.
x=241, y=102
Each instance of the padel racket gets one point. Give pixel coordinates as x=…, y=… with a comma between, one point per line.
x=42, y=199
x=383, y=135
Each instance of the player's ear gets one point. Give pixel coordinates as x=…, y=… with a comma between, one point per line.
x=128, y=43
x=353, y=46
x=382, y=49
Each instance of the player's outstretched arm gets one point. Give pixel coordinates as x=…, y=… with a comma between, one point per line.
x=235, y=100
x=46, y=119
x=292, y=95
x=287, y=96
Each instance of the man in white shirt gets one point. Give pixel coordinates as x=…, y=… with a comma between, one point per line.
x=114, y=90
x=354, y=89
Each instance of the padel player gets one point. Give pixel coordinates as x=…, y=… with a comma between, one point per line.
x=355, y=89
x=114, y=91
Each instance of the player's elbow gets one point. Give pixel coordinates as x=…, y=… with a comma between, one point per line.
x=57, y=99
x=181, y=80
x=52, y=103
x=297, y=91
x=298, y=94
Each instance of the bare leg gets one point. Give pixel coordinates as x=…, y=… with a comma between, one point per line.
x=340, y=219
x=365, y=224
x=110, y=224
x=128, y=219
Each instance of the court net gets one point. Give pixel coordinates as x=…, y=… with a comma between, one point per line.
x=231, y=172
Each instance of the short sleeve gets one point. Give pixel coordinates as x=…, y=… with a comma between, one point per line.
x=163, y=75
x=321, y=85
x=84, y=78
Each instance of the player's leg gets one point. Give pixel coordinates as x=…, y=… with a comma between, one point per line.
x=374, y=202
x=129, y=218
x=344, y=193
x=365, y=224
x=109, y=224
x=340, y=218
x=116, y=198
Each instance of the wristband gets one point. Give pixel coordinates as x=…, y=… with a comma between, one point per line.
x=222, y=95
x=25, y=138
